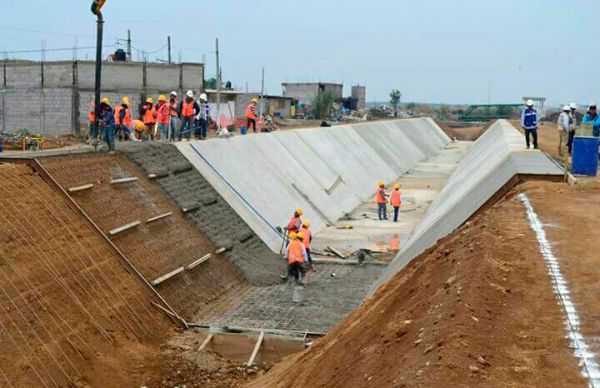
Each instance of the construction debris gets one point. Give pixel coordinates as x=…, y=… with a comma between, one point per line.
x=160, y=217
x=123, y=228
x=123, y=180
x=80, y=188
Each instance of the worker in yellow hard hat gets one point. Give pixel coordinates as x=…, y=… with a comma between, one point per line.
x=149, y=117
x=307, y=240
x=296, y=257
x=396, y=201
x=381, y=198
x=295, y=222
x=107, y=124
x=162, y=117
x=251, y=115
x=123, y=120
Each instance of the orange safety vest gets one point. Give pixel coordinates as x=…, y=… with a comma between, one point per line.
x=162, y=114
x=295, y=252
x=92, y=112
x=306, y=239
x=173, y=108
x=127, y=118
x=379, y=195
x=292, y=224
x=118, y=109
x=149, y=115
x=187, y=108
x=395, y=201
x=250, y=111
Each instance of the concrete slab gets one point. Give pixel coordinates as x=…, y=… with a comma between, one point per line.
x=325, y=171
x=495, y=158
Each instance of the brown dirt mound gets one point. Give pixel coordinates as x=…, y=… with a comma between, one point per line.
x=478, y=309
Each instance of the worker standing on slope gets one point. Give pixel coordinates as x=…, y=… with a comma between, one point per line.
x=592, y=117
x=107, y=122
x=91, y=114
x=162, y=117
x=123, y=120
x=529, y=123
x=307, y=240
x=573, y=114
x=189, y=109
x=174, y=116
x=295, y=222
x=381, y=198
x=296, y=257
x=149, y=117
x=396, y=201
x=564, y=128
x=251, y=115
x=203, y=117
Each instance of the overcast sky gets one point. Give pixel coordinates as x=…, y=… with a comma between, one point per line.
x=433, y=51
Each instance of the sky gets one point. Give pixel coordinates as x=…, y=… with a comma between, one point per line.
x=444, y=51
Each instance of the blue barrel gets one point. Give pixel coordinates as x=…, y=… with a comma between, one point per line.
x=585, y=155
x=243, y=130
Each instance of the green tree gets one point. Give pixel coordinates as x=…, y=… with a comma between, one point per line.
x=210, y=83
x=395, y=97
x=321, y=104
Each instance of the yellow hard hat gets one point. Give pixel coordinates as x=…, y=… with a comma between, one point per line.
x=162, y=98
x=396, y=186
x=125, y=100
x=299, y=211
x=255, y=100
x=150, y=100
x=306, y=223
x=139, y=125
x=293, y=235
x=381, y=183
x=105, y=100
x=300, y=235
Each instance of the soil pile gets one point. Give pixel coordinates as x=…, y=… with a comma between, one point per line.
x=477, y=309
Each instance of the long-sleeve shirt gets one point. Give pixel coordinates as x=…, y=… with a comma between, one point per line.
x=107, y=117
x=594, y=120
x=204, y=111
x=564, y=122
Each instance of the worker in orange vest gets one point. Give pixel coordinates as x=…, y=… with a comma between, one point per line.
x=395, y=201
x=381, y=198
x=91, y=114
x=149, y=117
x=189, y=109
x=295, y=222
x=123, y=120
x=251, y=115
x=307, y=240
x=296, y=257
x=162, y=117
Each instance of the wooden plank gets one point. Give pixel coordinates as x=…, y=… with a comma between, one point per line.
x=199, y=261
x=81, y=188
x=160, y=217
x=123, y=228
x=220, y=250
x=346, y=262
x=189, y=209
x=123, y=180
x=259, y=341
x=168, y=276
x=335, y=252
x=206, y=341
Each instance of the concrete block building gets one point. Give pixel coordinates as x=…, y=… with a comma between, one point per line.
x=52, y=98
x=360, y=94
x=304, y=93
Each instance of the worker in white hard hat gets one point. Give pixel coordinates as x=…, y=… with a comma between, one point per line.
x=592, y=118
x=173, y=116
x=203, y=117
x=189, y=108
x=573, y=114
x=564, y=128
x=529, y=123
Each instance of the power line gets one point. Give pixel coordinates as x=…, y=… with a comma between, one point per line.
x=54, y=49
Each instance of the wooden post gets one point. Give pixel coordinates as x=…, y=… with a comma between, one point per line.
x=259, y=341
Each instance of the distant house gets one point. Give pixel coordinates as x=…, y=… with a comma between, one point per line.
x=303, y=93
x=277, y=106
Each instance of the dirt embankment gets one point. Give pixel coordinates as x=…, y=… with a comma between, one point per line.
x=462, y=133
x=476, y=310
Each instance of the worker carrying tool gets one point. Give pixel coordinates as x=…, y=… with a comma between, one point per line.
x=307, y=240
x=251, y=115
x=148, y=114
x=381, y=198
x=107, y=123
x=295, y=222
x=91, y=113
x=189, y=108
x=396, y=201
x=529, y=123
x=296, y=257
x=162, y=117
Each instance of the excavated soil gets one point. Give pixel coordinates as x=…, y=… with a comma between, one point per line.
x=476, y=310
x=71, y=314
x=185, y=186
x=155, y=248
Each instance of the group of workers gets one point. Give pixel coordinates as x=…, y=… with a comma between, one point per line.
x=567, y=125
x=381, y=196
x=298, y=250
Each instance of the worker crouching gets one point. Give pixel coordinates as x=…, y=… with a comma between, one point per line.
x=296, y=257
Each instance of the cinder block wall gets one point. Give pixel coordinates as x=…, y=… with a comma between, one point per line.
x=53, y=98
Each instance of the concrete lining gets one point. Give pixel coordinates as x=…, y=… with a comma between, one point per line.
x=327, y=172
x=496, y=157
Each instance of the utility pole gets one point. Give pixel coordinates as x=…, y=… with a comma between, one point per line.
x=262, y=92
x=129, y=59
x=96, y=7
x=169, y=47
x=218, y=85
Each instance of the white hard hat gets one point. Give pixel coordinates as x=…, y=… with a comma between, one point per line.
x=173, y=93
x=566, y=107
x=529, y=103
x=190, y=93
x=203, y=97
x=573, y=105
